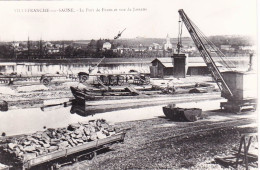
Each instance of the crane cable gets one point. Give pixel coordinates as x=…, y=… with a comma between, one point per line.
x=210, y=46
x=209, y=43
x=179, y=44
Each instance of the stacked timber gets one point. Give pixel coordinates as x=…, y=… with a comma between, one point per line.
x=31, y=146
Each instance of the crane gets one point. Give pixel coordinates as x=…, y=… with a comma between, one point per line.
x=231, y=83
x=83, y=76
x=201, y=46
x=119, y=34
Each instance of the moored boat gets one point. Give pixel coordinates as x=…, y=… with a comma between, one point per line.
x=82, y=95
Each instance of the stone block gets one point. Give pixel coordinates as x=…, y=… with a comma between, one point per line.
x=29, y=148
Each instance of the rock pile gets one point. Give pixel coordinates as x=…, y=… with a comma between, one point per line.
x=40, y=143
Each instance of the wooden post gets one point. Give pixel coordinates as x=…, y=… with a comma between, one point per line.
x=246, y=148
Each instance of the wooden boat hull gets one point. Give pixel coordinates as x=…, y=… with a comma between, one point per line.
x=82, y=96
x=182, y=114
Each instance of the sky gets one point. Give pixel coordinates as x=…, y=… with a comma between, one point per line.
x=157, y=19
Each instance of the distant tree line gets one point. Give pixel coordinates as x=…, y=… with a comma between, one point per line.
x=94, y=48
x=234, y=41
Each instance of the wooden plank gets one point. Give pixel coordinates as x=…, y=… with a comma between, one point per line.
x=249, y=134
x=226, y=161
x=132, y=90
x=103, y=85
x=249, y=155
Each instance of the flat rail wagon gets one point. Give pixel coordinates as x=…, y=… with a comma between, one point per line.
x=89, y=150
x=44, y=79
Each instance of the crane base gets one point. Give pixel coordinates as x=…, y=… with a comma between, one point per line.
x=238, y=106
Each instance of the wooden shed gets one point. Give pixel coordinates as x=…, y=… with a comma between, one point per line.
x=161, y=67
x=165, y=67
x=197, y=66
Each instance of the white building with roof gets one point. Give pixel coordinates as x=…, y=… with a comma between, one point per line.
x=107, y=46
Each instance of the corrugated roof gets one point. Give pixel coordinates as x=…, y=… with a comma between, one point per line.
x=195, y=60
x=167, y=65
x=196, y=65
x=166, y=62
x=190, y=59
x=192, y=62
x=164, y=59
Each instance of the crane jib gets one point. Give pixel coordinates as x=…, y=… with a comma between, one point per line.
x=205, y=54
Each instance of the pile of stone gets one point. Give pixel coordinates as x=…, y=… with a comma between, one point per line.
x=51, y=140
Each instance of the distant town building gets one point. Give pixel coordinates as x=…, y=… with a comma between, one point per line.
x=65, y=45
x=48, y=44
x=139, y=48
x=155, y=46
x=225, y=47
x=15, y=44
x=168, y=44
x=121, y=49
x=247, y=48
x=231, y=49
x=53, y=50
x=107, y=46
x=80, y=43
x=58, y=45
x=21, y=49
x=188, y=49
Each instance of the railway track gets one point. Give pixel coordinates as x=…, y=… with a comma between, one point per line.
x=199, y=129
x=182, y=130
x=150, y=138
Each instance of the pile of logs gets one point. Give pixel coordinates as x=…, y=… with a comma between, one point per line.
x=40, y=143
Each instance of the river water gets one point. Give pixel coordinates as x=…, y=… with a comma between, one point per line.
x=73, y=67
x=22, y=121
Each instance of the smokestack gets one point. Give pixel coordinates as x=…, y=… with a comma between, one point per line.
x=250, y=62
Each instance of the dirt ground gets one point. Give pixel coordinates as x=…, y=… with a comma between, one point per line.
x=158, y=144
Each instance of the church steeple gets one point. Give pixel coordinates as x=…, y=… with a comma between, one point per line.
x=168, y=44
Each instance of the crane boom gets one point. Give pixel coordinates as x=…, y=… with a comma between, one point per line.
x=205, y=54
x=92, y=68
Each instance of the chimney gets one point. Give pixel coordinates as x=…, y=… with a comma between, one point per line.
x=250, y=62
